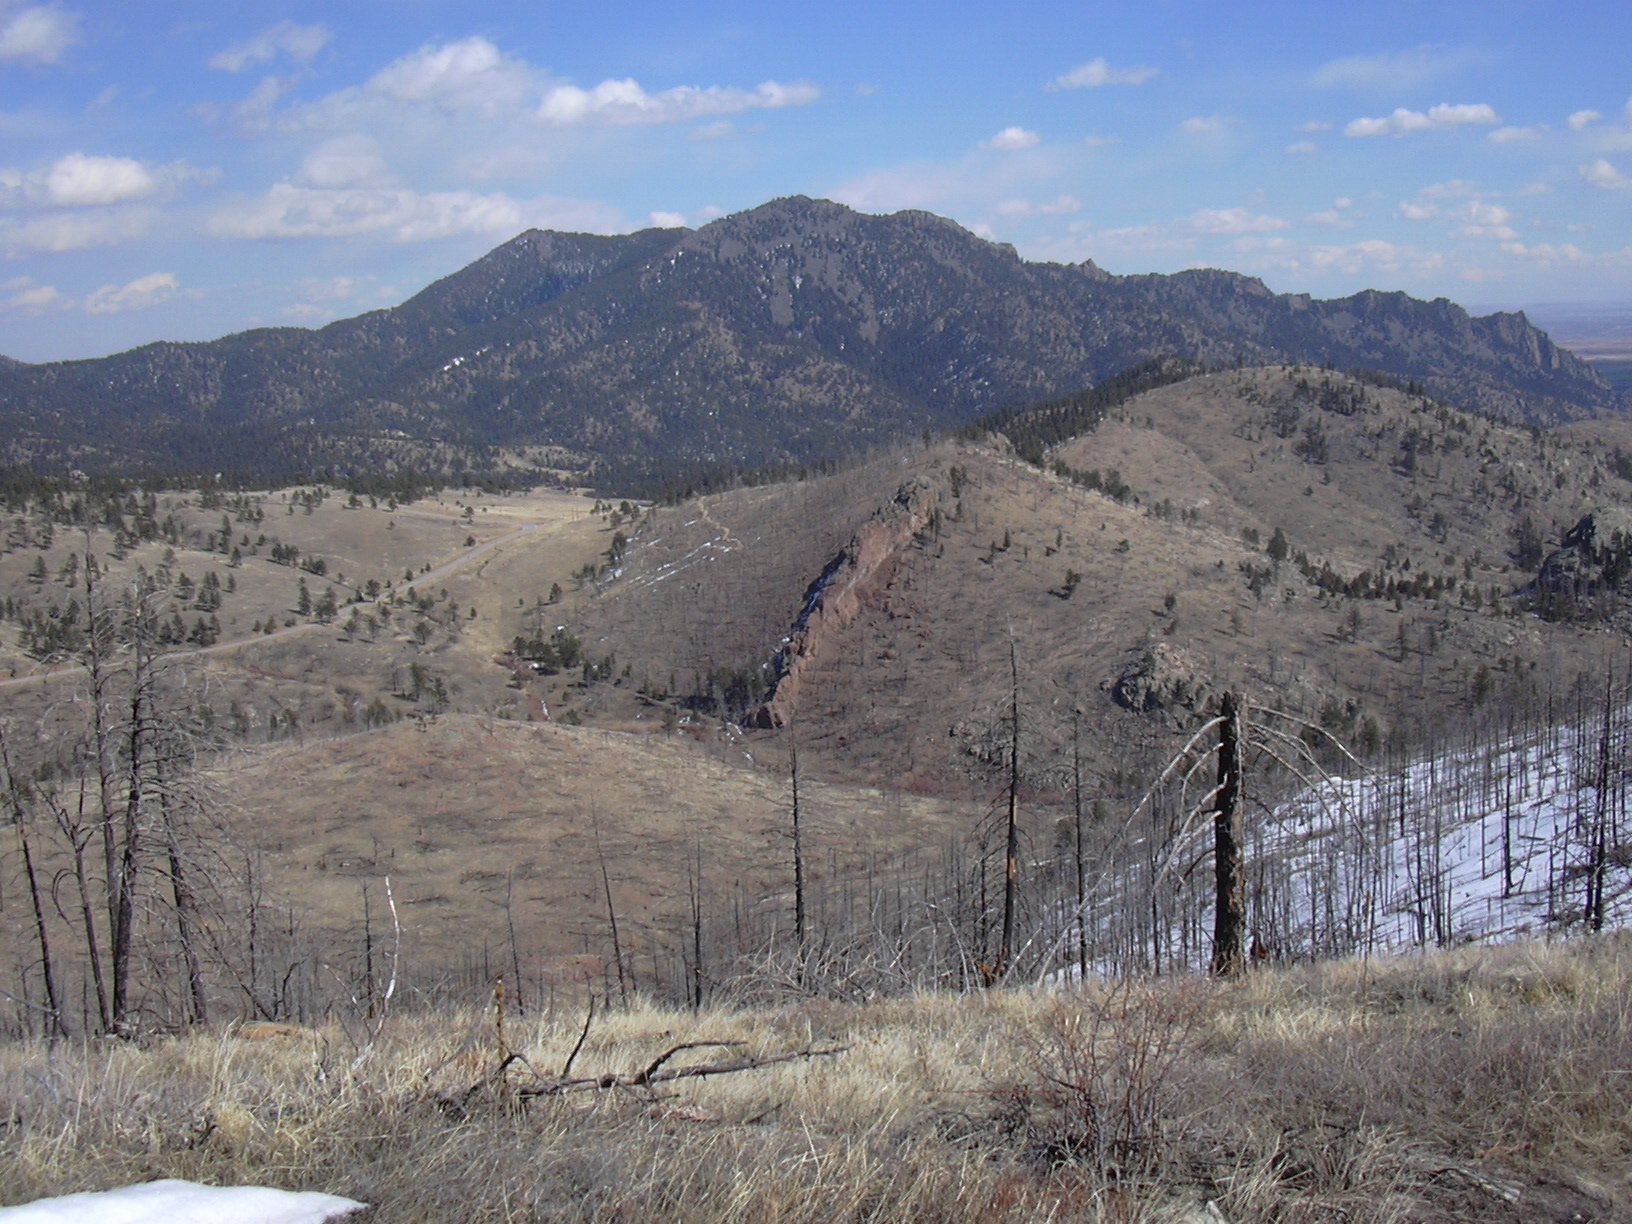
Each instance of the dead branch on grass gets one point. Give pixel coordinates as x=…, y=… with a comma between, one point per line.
x=656, y=1072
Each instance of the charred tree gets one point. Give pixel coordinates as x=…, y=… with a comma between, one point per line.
x=1229, y=915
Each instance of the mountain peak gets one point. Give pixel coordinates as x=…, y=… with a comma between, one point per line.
x=788, y=332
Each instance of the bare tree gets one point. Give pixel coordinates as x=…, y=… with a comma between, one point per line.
x=1229, y=914
x=1011, y=838
x=20, y=821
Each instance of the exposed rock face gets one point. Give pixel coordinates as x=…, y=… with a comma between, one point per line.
x=1590, y=575
x=1162, y=680
x=862, y=567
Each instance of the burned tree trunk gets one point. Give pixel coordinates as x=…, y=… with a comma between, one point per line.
x=1011, y=849
x=1229, y=916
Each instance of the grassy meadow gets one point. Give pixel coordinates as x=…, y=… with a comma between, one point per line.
x=1471, y=1084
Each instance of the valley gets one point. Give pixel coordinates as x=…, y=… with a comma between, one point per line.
x=490, y=697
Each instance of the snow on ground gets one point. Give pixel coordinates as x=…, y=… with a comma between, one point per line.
x=706, y=551
x=1489, y=840
x=180, y=1202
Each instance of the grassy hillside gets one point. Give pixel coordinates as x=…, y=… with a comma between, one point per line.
x=1345, y=550
x=1478, y=1084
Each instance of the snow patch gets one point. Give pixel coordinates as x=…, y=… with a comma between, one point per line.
x=180, y=1202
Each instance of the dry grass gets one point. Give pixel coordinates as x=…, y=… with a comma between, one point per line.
x=1478, y=1085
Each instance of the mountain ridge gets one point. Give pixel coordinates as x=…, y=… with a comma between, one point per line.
x=786, y=333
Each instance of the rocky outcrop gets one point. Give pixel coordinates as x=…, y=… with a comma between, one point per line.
x=1162, y=680
x=1590, y=575
x=863, y=566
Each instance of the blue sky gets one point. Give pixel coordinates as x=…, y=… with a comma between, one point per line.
x=182, y=170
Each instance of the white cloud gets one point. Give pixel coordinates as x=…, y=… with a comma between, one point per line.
x=1507, y=135
x=139, y=294
x=76, y=231
x=300, y=43
x=1601, y=173
x=718, y=130
x=1486, y=220
x=1302, y=147
x=865, y=89
x=22, y=295
x=1451, y=115
x=624, y=101
x=1545, y=252
x=1372, y=253
x=668, y=220
x=332, y=289
x=1584, y=118
x=345, y=161
x=1403, y=122
x=253, y=113
x=1449, y=189
x=1099, y=142
x=38, y=35
x=1097, y=72
x=1332, y=218
x=1012, y=138
x=288, y=210
x=470, y=74
x=1059, y=206
x=78, y=180
x=1390, y=70
x=1412, y=211
x=1315, y=125
x=1234, y=221
x=1204, y=125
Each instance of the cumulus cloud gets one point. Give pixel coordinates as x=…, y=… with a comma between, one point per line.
x=667, y=220
x=1012, y=138
x=1096, y=72
x=1390, y=70
x=1403, y=122
x=300, y=43
x=78, y=180
x=1204, y=125
x=1413, y=211
x=1485, y=220
x=1583, y=119
x=139, y=294
x=469, y=74
x=290, y=210
x=1302, y=147
x=1601, y=173
x=38, y=35
x=625, y=101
